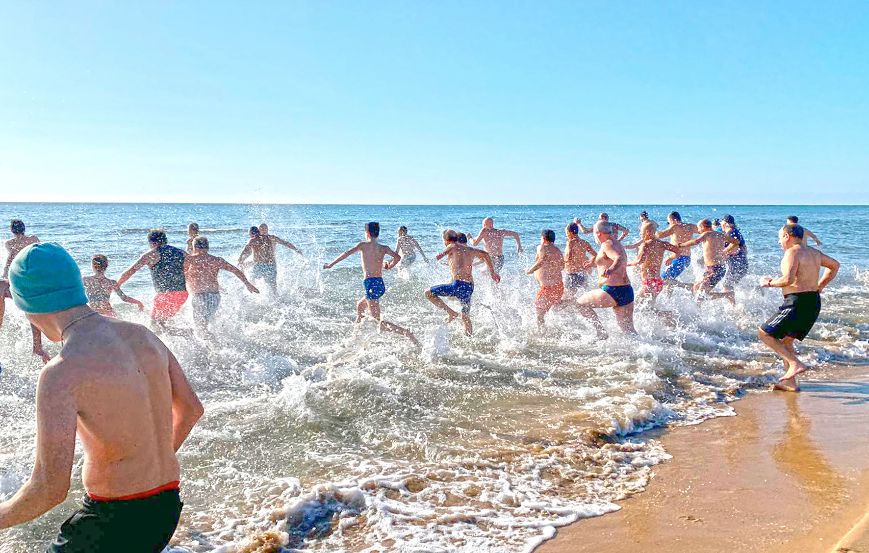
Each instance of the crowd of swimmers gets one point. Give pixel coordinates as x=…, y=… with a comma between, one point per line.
x=119, y=388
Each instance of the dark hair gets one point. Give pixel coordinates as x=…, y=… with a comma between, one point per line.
x=462, y=238
x=675, y=216
x=729, y=220
x=794, y=230
x=100, y=262
x=644, y=214
x=373, y=229
x=200, y=243
x=548, y=235
x=158, y=237
x=254, y=231
x=17, y=226
x=573, y=228
x=793, y=219
x=403, y=229
x=451, y=236
x=705, y=223
x=716, y=223
x=193, y=226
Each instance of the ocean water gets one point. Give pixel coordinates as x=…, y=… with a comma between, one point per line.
x=319, y=436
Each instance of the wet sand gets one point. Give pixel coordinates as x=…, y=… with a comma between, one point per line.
x=789, y=473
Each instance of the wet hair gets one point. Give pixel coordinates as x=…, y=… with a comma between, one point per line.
x=794, y=230
x=675, y=216
x=706, y=223
x=254, y=231
x=793, y=219
x=573, y=228
x=17, y=226
x=462, y=238
x=548, y=235
x=729, y=220
x=403, y=229
x=158, y=237
x=373, y=229
x=200, y=243
x=100, y=262
x=644, y=214
x=193, y=226
x=451, y=236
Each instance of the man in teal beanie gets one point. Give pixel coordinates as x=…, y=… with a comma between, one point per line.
x=118, y=383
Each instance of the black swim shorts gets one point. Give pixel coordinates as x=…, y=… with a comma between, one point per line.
x=796, y=316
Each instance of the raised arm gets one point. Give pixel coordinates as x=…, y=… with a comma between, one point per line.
x=831, y=268
x=812, y=235
x=582, y=228
x=146, y=259
x=229, y=267
x=515, y=236
x=623, y=230
x=186, y=407
x=245, y=253
x=342, y=257
x=444, y=253
x=287, y=244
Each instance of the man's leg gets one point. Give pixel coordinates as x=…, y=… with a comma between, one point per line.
x=452, y=314
x=466, y=321
x=392, y=327
x=625, y=317
x=790, y=384
x=792, y=364
x=361, y=305
x=37, y=344
x=591, y=300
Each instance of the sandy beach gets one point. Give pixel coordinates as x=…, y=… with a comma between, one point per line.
x=789, y=473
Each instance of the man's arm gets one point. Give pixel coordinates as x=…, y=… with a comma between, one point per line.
x=444, y=253
x=127, y=298
x=144, y=260
x=790, y=267
x=186, y=407
x=56, y=417
x=515, y=236
x=694, y=241
x=417, y=246
x=641, y=256
x=666, y=232
x=9, y=257
x=582, y=228
x=615, y=256
x=538, y=261
x=342, y=257
x=633, y=246
x=811, y=235
x=4, y=293
x=487, y=259
x=732, y=244
x=623, y=230
x=287, y=244
x=479, y=237
x=227, y=266
x=831, y=268
x=395, y=258
x=245, y=253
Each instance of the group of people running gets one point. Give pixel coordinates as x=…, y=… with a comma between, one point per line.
x=117, y=387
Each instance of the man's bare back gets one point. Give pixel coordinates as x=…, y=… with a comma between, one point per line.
x=679, y=233
x=651, y=256
x=578, y=256
x=551, y=264
x=14, y=247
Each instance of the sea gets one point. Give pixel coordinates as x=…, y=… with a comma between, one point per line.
x=321, y=436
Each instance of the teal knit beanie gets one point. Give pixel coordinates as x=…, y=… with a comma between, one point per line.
x=44, y=278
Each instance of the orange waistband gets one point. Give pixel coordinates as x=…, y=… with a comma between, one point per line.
x=176, y=485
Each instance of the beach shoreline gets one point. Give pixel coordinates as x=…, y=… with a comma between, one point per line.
x=790, y=472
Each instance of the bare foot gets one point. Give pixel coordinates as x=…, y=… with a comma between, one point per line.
x=787, y=386
x=452, y=315
x=794, y=370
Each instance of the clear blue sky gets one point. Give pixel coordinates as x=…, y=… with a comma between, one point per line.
x=435, y=102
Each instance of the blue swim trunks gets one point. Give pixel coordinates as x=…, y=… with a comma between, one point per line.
x=676, y=268
x=623, y=295
x=459, y=289
x=374, y=288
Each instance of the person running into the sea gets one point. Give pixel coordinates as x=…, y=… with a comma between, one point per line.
x=493, y=241
x=201, y=270
x=578, y=260
x=737, y=261
x=262, y=246
x=372, y=254
x=678, y=232
x=717, y=246
x=603, y=217
x=99, y=288
x=192, y=233
x=650, y=257
x=644, y=218
x=461, y=258
x=122, y=393
x=547, y=269
x=407, y=246
x=166, y=264
x=801, y=283
x=615, y=290
x=18, y=242
x=794, y=220
x=36, y=335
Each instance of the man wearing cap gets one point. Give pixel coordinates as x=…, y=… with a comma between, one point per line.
x=737, y=261
x=116, y=386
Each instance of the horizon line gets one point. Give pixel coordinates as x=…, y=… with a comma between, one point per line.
x=429, y=204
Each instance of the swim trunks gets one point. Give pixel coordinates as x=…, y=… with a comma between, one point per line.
x=143, y=524
x=713, y=274
x=408, y=259
x=267, y=272
x=575, y=280
x=498, y=262
x=676, y=267
x=623, y=295
x=374, y=288
x=548, y=296
x=459, y=289
x=795, y=317
x=167, y=304
x=655, y=285
x=205, y=305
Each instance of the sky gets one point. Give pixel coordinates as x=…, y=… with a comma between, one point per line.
x=448, y=102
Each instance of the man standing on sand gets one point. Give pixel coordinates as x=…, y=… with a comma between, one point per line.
x=578, y=260
x=262, y=246
x=115, y=386
x=794, y=220
x=801, y=283
x=650, y=256
x=372, y=254
x=547, y=270
x=200, y=271
x=493, y=242
x=167, y=273
x=19, y=241
x=603, y=217
x=717, y=246
x=461, y=259
x=615, y=290
x=678, y=232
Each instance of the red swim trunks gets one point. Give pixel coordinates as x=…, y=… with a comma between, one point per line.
x=167, y=304
x=548, y=296
x=654, y=284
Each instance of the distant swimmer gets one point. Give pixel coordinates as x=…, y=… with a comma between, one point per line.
x=716, y=225
x=18, y=242
x=461, y=259
x=794, y=220
x=262, y=245
x=615, y=290
x=200, y=271
x=717, y=246
x=122, y=393
x=547, y=269
x=603, y=217
x=192, y=233
x=493, y=241
x=650, y=257
x=678, y=232
x=801, y=283
x=372, y=254
x=407, y=246
x=166, y=264
x=99, y=288
x=578, y=260
x=737, y=261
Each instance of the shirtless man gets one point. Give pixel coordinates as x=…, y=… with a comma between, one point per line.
x=493, y=242
x=578, y=260
x=372, y=254
x=650, y=256
x=644, y=218
x=678, y=232
x=262, y=246
x=794, y=220
x=99, y=288
x=801, y=283
x=117, y=388
x=18, y=242
x=407, y=246
x=192, y=233
x=547, y=270
x=200, y=271
x=603, y=217
x=461, y=259
x=615, y=290
x=717, y=247
x=737, y=261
